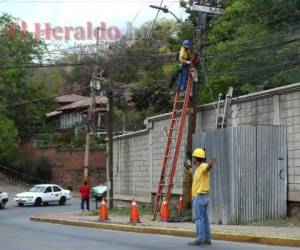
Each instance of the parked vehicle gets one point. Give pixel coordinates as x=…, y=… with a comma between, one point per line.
x=3, y=199
x=99, y=192
x=43, y=194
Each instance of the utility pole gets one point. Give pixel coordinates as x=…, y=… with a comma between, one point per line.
x=94, y=84
x=88, y=130
x=202, y=9
x=109, y=126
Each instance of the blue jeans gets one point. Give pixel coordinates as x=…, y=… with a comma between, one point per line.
x=183, y=78
x=200, y=204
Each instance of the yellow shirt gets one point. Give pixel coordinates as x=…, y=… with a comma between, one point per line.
x=184, y=55
x=200, y=180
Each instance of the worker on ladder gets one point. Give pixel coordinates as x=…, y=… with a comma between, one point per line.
x=184, y=59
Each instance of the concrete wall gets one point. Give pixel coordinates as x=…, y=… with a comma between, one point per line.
x=140, y=154
x=137, y=162
x=67, y=165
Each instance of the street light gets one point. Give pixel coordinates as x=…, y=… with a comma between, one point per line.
x=165, y=10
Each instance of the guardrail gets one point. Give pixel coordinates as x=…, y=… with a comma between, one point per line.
x=20, y=178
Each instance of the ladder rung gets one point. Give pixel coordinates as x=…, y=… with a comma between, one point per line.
x=167, y=178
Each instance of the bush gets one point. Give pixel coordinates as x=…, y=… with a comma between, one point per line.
x=38, y=169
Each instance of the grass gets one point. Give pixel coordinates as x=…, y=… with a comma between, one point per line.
x=124, y=211
x=144, y=212
x=284, y=222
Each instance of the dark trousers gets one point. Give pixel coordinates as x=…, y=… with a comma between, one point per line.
x=87, y=201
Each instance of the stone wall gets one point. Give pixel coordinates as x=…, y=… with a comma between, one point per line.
x=139, y=155
x=67, y=165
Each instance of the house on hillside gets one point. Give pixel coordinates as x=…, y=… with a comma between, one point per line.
x=73, y=109
x=68, y=99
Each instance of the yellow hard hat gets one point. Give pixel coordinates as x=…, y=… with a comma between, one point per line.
x=199, y=153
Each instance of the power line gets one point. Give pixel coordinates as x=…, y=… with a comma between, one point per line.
x=113, y=63
x=208, y=84
x=86, y=1
x=157, y=13
x=250, y=72
x=224, y=55
x=138, y=12
x=42, y=99
x=235, y=54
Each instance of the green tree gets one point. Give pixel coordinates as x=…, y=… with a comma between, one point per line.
x=19, y=80
x=8, y=138
x=254, y=45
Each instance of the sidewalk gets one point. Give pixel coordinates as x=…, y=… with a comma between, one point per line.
x=283, y=236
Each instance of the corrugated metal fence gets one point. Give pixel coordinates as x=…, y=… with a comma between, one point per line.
x=249, y=181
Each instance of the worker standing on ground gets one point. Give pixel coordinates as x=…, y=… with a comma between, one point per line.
x=85, y=196
x=184, y=59
x=187, y=184
x=200, y=195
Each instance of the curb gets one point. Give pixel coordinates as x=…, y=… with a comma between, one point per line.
x=276, y=241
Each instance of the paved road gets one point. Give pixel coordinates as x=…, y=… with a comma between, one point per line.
x=18, y=233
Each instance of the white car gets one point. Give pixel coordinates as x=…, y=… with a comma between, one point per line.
x=43, y=194
x=3, y=199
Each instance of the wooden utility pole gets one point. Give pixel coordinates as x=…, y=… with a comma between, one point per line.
x=201, y=10
x=91, y=114
x=110, y=146
x=198, y=41
x=87, y=135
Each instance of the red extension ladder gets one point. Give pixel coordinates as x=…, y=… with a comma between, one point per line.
x=172, y=148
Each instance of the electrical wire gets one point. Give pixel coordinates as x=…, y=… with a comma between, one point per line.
x=231, y=55
x=208, y=84
x=142, y=7
x=154, y=21
x=42, y=99
x=236, y=54
x=85, y=1
x=248, y=72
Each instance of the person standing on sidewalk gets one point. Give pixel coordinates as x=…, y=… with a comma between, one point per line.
x=85, y=196
x=200, y=192
x=187, y=185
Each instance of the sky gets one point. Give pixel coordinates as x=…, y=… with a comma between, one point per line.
x=74, y=13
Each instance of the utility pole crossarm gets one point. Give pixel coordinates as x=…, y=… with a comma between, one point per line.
x=207, y=9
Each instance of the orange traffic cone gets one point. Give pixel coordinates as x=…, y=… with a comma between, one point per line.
x=103, y=213
x=180, y=206
x=134, y=213
x=164, y=212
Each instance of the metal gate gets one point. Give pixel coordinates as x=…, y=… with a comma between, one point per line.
x=249, y=180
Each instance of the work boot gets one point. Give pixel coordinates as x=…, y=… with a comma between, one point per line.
x=197, y=243
x=207, y=242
